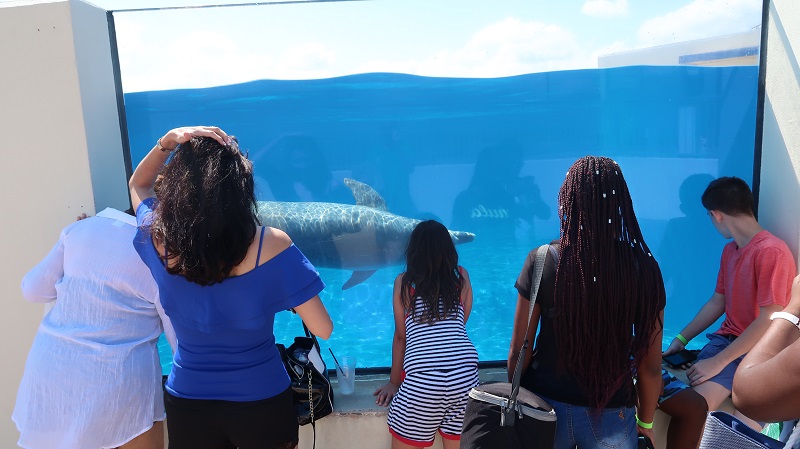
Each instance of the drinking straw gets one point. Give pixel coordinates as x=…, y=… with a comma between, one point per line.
x=337, y=363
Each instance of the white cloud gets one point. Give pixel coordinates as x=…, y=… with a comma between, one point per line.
x=506, y=48
x=178, y=63
x=310, y=56
x=614, y=47
x=605, y=8
x=701, y=19
x=195, y=59
x=305, y=61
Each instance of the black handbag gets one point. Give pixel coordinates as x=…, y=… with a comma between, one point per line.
x=505, y=415
x=642, y=442
x=313, y=395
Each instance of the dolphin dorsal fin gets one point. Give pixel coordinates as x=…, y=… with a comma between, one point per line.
x=366, y=195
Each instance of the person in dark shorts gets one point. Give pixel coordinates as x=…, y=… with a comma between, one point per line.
x=222, y=278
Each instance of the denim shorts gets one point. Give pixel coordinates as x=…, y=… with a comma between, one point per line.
x=716, y=344
x=613, y=427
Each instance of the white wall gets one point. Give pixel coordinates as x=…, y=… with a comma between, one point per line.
x=99, y=106
x=57, y=107
x=669, y=54
x=779, y=199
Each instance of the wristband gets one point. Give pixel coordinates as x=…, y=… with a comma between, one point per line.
x=682, y=339
x=786, y=316
x=161, y=147
x=642, y=424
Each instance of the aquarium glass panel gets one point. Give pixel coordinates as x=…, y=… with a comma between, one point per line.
x=362, y=118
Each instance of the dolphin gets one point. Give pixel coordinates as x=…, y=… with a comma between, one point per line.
x=363, y=237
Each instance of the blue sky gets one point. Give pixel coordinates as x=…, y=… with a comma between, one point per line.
x=202, y=47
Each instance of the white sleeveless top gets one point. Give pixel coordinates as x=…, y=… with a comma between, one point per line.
x=438, y=346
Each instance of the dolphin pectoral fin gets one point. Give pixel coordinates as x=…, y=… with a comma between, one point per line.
x=357, y=278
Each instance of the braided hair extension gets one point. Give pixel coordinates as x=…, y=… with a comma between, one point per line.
x=206, y=213
x=431, y=274
x=609, y=290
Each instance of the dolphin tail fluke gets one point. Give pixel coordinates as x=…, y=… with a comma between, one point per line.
x=357, y=278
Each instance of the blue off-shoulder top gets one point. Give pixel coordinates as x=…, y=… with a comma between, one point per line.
x=226, y=347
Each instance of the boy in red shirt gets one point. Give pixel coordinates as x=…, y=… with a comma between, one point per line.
x=754, y=280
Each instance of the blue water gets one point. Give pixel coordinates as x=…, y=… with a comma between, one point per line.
x=487, y=156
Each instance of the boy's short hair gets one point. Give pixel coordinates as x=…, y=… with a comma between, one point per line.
x=729, y=195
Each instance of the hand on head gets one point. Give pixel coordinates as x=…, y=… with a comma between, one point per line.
x=177, y=136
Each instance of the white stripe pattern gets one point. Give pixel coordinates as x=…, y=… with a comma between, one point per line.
x=431, y=401
x=438, y=346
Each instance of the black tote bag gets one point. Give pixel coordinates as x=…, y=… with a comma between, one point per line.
x=505, y=415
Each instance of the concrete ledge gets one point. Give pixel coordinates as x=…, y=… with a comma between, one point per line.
x=357, y=422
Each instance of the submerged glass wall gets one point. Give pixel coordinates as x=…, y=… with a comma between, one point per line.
x=467, y=114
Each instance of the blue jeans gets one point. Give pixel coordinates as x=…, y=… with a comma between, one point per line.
x=586, y=429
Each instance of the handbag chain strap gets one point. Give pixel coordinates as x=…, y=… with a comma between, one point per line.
x=311, y=406
x=508, y=413
x=310, y=395
x=309, y=373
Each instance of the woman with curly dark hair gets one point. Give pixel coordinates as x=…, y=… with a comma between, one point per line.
x=222, y=278
x=600, y=312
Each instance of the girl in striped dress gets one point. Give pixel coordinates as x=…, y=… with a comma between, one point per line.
x=434, y=364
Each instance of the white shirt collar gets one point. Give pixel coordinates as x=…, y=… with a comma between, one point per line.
x=114, y=214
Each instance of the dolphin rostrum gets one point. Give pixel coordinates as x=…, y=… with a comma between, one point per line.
x=362, y=237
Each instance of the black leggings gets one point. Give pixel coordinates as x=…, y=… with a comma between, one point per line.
x=211, y=424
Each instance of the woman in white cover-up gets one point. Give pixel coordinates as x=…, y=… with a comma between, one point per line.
x=92, y=379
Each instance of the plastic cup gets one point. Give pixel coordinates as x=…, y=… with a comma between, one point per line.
x=347, y=376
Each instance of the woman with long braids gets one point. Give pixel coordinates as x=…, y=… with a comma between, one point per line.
x=221, y=278
x=600, y=313
x=432, y=301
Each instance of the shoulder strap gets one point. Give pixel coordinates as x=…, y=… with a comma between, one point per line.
x=308, y=332
x=312, y=336
x=260, y=242
x=536, y=279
